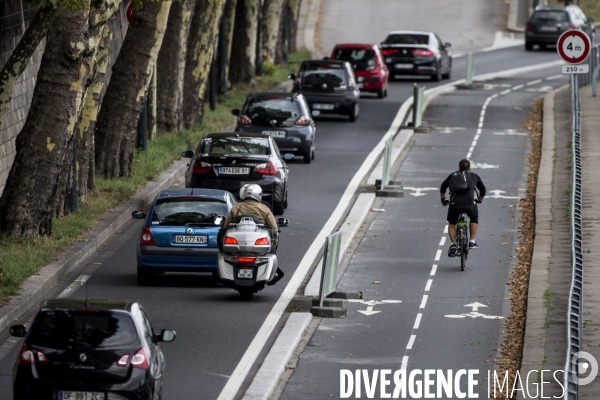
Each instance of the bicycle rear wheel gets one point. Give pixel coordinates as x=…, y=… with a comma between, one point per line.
x=461, y=246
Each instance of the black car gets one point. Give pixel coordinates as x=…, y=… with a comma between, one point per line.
x=90, y=349
x=227, y=161
x=283, y=116
x=329, y=87
x=546, y=25
x=417, y=53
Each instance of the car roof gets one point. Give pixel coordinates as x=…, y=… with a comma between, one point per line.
x=354, y=46
x=288, y=95
x=552, y=8
x=410, y=32
x=187, y=192
x=225, y=135
x=327, y=61
x=94, y=304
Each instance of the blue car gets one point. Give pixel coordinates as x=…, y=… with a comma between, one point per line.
x=180, y=234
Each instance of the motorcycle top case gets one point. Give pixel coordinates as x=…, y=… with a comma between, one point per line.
x=246, y=234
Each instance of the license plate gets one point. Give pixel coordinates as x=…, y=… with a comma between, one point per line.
x=245, y=273
x=234, y=170
x=318, y=106
x=190, y=239
x=548, y=28
x=274, y=133
x=403, y=66
x=81, y=396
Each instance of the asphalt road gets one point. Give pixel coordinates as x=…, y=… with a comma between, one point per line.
x=214, y=327
x=403, y=255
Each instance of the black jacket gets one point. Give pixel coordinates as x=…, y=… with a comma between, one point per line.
x=466, y=197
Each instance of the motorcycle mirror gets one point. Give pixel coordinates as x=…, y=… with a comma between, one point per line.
x=283, y=222
x=219, y=220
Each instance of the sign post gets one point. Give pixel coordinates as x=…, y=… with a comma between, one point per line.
x=331, y=260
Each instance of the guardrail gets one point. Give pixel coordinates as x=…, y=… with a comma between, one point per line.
x=575, y=305
x=331, y=260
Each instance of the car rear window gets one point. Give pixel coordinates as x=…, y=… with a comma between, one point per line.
x=314, y=75
x=361, y=59
x=273, y=107
x=550, y=16
x=407, y=38
x=235, y=146
x=176, y=212
x=98, y=329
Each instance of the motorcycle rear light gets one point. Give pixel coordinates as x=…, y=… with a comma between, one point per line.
x=422, y=53
x=147, y=238
x=200, y=167
x=261, y=242
x=123, y=361
x=244, y=120
x=266, y=169
x=246, y=259
x=139, y=359
x=302, y=121
x=230, y=240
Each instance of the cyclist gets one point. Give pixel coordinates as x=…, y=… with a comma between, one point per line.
x=462, y=185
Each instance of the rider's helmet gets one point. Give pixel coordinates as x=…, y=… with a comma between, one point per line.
x=251, y=191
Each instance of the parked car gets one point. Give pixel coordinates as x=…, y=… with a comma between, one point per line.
x=417, y=53
x=546, y=24
x=180, y=233
x=89, y=349
x=329, y=87
x=283, y=116
x=227, y=161
x=370, y=70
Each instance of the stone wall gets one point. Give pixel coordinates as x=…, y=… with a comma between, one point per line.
x=15, y=17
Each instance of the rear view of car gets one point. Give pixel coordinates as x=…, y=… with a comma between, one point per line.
x=546, y=25
x=89, y=350
x=366, y=60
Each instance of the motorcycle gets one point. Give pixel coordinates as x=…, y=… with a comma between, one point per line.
x=246, y=263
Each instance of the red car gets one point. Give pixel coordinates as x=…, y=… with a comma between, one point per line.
x=371, y=72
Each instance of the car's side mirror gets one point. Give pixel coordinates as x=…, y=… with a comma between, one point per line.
x=315, y=113
x=18, y=330
x=235, y=112
x=292, y=76
x=166, y=335
x=138, y=215
x=288, y=157
x=187, y=154
x=283, y=222
x=447, y=44
x=219, y=220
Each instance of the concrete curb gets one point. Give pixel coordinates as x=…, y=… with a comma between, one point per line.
x=534, y=342
x=263, y=384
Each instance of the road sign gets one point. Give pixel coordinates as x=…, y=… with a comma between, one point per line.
x=574, y=46
x=575, y=69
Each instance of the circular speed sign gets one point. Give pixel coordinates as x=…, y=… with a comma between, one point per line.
x=574, y=46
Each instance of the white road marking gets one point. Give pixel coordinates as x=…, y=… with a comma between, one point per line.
x=518, y=87
x=424, y=301
x=77, y=283
x=433, y=270
x=446, y=228
x=404, y=363
x=417, y=321
x=553, y=77
x=507, y=91
x=475, y=306
x=411, y=341
x=419, y=190
x=443, y=240
x=438, y=255
x=534, y=82
x=428, y=287
x=368, y=311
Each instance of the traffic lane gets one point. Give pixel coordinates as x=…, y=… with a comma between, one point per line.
x=467, y=24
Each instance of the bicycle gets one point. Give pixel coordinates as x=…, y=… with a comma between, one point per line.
x=462, y=239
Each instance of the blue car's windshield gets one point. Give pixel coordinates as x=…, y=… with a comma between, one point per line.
x=187, y=211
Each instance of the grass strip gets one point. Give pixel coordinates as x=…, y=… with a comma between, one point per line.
x=21, y=258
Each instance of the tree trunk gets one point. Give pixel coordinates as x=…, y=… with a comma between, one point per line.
x=279, y=59
x=272, y=12
x=229, y=15
x=122, y=104
x=201, y=48
x=293, y=15
x=26, y=206
x=171, y=67
x=242, y=65
x=19, y=59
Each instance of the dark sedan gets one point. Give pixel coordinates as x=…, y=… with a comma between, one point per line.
x=546, y=25
x=417, y=53
x=329, y=87
x=227, y=161
x=283, y=116
x=89, y=349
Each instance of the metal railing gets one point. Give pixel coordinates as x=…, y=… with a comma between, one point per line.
x=575, y=305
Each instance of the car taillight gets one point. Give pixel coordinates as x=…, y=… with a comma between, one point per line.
x=230, y=240
x=123, y=361
x=528, y=27
x=302, y=121
x=422, y=53
x=261, y=242
x=246, y=259
x=27, y=356
x=387, y=52
x=147, y=238
x=140, y=359
x=244, y=120
x=200, y=167
x=266, y=169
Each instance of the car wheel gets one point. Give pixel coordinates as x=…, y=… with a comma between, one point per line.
x=354, y=114
x=528, y=46
x=246, y=293
x=438, y=74
x=285, y=202
x=312, y=154
x=145, y=278
x=448, y=75
x=385, y=94
x=279, y=207
x=307, y=157
x=381, y=94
